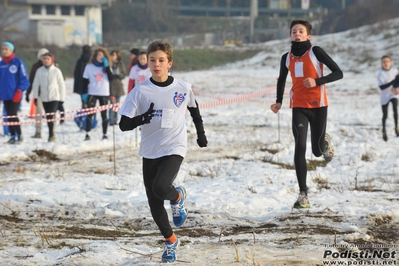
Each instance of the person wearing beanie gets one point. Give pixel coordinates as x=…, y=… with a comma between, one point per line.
x=13, y=82
x=49, y=87
x=79, y=69
x=134, y=53
x=39, y=105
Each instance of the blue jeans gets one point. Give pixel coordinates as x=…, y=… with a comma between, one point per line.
x=113, y=116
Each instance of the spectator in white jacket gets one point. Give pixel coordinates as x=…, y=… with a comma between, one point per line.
x=49, y=86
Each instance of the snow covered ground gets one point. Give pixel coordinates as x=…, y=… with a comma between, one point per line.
x=78, y=202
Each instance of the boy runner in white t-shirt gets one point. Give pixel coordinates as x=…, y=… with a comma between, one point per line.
x=159, y=106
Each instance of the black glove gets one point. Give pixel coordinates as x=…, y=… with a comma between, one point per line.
x=27, y=98
x=201, y=140
x=395, y=83
x=146, y=117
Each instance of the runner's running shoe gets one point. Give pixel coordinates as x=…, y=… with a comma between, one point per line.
x=302, y=201
x=169, y=253
x=179, y=211
x=329, y=151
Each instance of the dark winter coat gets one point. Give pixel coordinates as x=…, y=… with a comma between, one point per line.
x=78, y=72
x=119, y=73
x=32, y=73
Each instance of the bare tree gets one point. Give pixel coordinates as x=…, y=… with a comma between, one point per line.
x=8, y=18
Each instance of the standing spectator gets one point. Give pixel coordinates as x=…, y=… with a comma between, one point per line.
x=386, y=77
x=96, y=86
x=119, y=73
x=13, y=82
x=39, y=105
x=79, y=69
x=49, y=86
x=60, y=106
x=6, y=131
x=139, y=72
x=134, y=53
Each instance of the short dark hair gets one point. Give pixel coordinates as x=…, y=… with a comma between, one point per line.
x=305, y=23
x=161, y=46
x=86, y=49
x=385, y=56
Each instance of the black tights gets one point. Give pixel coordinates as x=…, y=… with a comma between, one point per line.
x=158, y=175
x=12, y=109
x=103, y=100
x=394, y=102
x=50, y=108
x=301, y=118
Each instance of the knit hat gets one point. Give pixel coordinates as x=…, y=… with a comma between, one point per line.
x=10, y=45
x=135, y=51
x=41, y=52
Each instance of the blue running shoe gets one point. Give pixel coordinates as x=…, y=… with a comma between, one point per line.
x=179, y=211
x=169, y=253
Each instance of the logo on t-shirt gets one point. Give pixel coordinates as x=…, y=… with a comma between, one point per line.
x=99, y=77
x=179, y=98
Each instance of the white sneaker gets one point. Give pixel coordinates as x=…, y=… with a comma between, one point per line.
x=302, y=201
x=329, y=151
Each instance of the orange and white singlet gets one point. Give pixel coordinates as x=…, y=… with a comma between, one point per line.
x=302, y=67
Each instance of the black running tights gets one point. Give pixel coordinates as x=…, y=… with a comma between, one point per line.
x=394, y=102
x=301, y=118
x=159, y=175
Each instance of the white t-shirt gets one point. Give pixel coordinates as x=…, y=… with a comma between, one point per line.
x=384, y=77
x=139, y=75
x=166, y=134
x=98, y=80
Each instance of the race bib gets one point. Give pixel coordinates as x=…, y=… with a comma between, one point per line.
x=167, y=118
x=298, y=69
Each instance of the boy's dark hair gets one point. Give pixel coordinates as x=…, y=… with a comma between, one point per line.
x=142, y=52
x=385, y=56
x=161, y=46
x=305, y=23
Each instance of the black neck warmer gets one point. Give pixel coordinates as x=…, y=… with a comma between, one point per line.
x=163, y=84
x=299, y=48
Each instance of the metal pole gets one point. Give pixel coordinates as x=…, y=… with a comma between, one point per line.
x=278, y=122
x=113, y=134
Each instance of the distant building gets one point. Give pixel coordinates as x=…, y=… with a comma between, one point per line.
x=61, y=22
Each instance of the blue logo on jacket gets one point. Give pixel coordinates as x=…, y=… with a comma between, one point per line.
x=179, y=98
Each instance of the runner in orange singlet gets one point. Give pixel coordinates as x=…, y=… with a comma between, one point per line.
x=308, y=99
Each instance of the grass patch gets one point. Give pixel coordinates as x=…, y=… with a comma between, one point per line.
x=197, y=59
x=183, y=60
x=46, y=154
x=311, y=165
